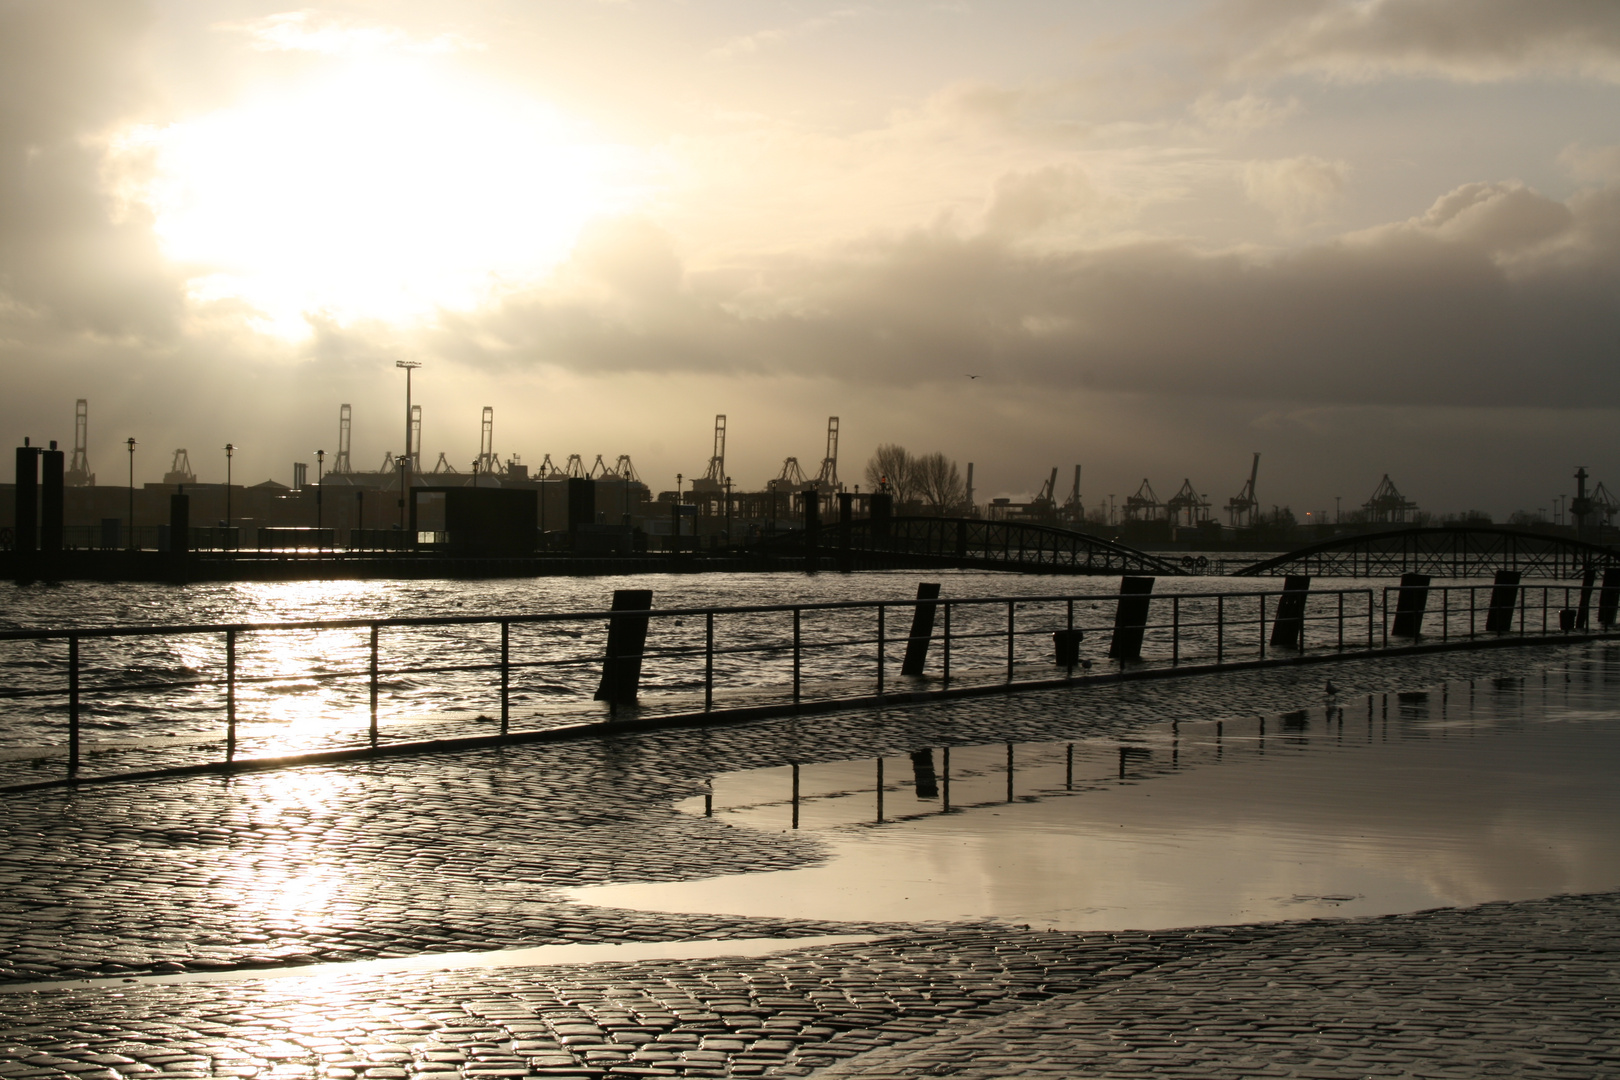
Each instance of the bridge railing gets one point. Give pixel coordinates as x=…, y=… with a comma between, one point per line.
x=222, y=692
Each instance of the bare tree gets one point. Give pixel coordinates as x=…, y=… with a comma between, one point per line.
x=892, y=463
x=938, y=482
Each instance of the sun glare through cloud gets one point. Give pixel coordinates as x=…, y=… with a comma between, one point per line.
x=386, y=190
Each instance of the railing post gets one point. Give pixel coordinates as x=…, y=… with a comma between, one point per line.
x=947, y=644
x=1175, y=628
x=1262, y=626
x=230, y=695
x=1341, y=620
x=1011, y=617
x=73, y=705
x=882, y=643
x=374, y=684
x=506, y=673
x=708, y=661
x=1445, y=612
x=797, y=652
x=1220, y=630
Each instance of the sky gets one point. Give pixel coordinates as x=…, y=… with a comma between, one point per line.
x=1357, y=236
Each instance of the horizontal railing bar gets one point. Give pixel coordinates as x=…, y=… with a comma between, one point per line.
x=577, y=616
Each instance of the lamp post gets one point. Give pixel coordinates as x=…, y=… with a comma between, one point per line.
x=728, y=509
x=230, y=448
x=320, y=459
x=677, y=537
x=131, y=444
x=405, y=461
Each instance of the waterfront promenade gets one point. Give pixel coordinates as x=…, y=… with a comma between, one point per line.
x=256, y=883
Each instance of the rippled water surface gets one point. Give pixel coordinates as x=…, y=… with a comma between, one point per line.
x=303, y=688
x=1466, y=793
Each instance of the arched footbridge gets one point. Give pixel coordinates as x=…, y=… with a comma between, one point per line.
x=1444, y=551
x=968, y=543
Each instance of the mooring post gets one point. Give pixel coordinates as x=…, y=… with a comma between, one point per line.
x=627, y=639
x=1504, y=595
x=1609, y=596
x=1130, y=618
x=812, y=528
x=1412, y=599
x=1288, y=627
x=922, y=629
x=846, y=517
x=1584, y=611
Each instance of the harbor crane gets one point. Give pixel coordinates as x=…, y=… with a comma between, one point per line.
x=1243, y=507
x=715, y=478
x=180, y=472
x=1144, y=505
x=345, y=423
x=1387, y=505
x=78, y=470
x=827, y=480
x=1074, y=511
x=1187, y=501
x=488, y=462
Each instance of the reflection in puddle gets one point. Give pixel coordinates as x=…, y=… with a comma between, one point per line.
x=1369, y=805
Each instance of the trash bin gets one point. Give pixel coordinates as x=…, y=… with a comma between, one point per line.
x=1566, y=620
x=1066, y=647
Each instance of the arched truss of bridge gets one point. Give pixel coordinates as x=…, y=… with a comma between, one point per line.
x=971, y=543
x=1445, y=551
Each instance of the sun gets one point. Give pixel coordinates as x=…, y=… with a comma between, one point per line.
x=389, y=189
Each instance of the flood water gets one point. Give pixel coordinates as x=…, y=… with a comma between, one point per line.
x=1466, y=793
x=302, y=689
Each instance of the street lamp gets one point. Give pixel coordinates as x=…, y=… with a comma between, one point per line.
x=320, y=459
x=230, y=448
x=728, y=509
x=405, y=461
x=677, y=508
x=131, y=444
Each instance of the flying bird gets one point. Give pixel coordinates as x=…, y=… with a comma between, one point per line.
x=973, y=376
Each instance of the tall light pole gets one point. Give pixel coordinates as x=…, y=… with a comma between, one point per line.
x=131, y=444
x=728, y=509
x=677, y=536
x=405, y=461
x=230, y=448
x=320, y=459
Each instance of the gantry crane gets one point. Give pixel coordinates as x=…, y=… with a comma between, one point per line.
x=78, y=471
x=828, y=478
x=1244, y=506
x=345, y=420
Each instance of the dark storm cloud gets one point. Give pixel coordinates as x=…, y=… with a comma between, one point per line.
x=1496, y=296
x=1467, y=39
x=69, y=71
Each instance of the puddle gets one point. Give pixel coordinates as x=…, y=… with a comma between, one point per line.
x=1467, y=793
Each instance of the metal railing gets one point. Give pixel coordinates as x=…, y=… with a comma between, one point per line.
x=761, y=658
x=1535, y=610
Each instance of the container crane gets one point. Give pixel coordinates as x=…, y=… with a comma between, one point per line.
x=78, y=471
x=827, y=480
x=1243, y=507
x=345, y=421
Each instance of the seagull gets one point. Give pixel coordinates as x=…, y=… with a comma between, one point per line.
x=973, y=376
x=1331, y=689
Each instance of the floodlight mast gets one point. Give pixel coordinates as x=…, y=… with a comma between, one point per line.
x=405, y=462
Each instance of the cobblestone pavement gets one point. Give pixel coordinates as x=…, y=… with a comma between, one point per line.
x=467, y=851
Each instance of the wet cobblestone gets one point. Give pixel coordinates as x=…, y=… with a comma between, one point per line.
x=467, y=851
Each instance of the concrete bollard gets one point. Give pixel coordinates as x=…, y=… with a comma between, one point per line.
x=922, y=629
x=627, y=640
x=1504, y=598
x=1288, y=629
x=179, y=524
x=1413, y=600
x=1066, y=647
x=1130, y=618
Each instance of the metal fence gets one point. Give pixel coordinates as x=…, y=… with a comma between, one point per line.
x=550, y=669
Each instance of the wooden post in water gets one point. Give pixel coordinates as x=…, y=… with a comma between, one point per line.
x=922, y=629
x=1609, y=597
x=1412, y=598
x=1130, y=618
x=1288, y=628
x=627, y=638
x=1504, y=596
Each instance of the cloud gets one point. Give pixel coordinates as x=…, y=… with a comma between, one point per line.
x=1496, y=296
x=70, y=258
x=1297, y=190
x=1466, y=40
x=1591, y=164
x=1247, y=112
x=748, y=44
x=1024, y=202
x=304, y=31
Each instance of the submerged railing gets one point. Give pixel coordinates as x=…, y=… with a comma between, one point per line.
x=536, y=670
